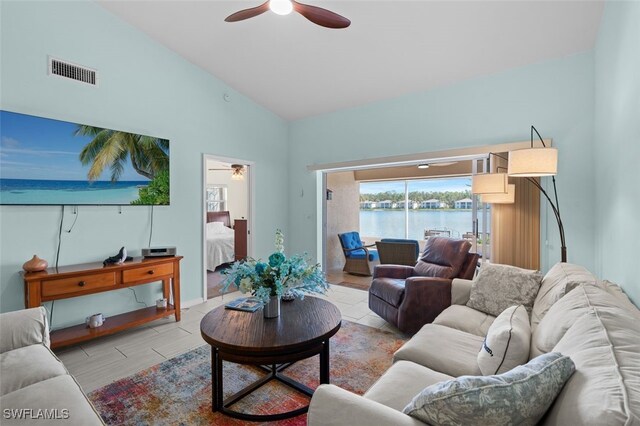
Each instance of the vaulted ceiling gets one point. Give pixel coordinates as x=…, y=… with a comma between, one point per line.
x=297, y=69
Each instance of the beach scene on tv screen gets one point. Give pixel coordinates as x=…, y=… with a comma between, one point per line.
x=51, y=162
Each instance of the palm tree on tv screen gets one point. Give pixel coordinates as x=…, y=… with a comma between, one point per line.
x=110, y=149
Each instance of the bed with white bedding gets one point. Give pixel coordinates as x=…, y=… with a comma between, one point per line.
x=220, y=241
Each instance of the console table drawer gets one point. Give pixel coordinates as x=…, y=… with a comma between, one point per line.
x=78, y=284
x=137, y=274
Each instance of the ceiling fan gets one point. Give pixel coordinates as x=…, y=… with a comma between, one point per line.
x=237, y=171
x=317, y=15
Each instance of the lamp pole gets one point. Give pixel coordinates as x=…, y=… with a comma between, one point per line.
x=555, y=207
x=556, y=212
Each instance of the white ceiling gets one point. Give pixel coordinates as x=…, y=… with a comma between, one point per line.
x=298, y=69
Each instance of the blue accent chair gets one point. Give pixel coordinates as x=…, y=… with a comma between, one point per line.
x=358, y=256
x=395, y=251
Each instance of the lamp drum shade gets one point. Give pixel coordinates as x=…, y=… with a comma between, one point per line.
x=533, y=162
x=489, y=183
x=508, y=198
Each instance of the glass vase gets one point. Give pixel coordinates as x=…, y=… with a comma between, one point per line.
x=272, y=307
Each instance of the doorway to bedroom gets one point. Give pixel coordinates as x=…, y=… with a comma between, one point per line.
x=227, y=220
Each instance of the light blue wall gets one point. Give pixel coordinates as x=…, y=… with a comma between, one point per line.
x=147, y=89
x=617, y=145
x=556, y=96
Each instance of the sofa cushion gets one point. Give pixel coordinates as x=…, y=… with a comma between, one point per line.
x=460, y=291
x=400, y=383
x=605, y=390
x=564, y=313
x=23, y=328
x=59, y=393
x=507, y=342
x=28, y=365
x=560, y=280
x=390, y=290
x=350, y=241
x=443, y=349
x=498, y=287
x=518, y=397
x=442, y=257
x=465, y=319
x=616, y=291
x=360, y=254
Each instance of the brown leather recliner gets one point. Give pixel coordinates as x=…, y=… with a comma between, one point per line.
x=412, y=296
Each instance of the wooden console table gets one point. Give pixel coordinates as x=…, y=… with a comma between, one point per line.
x=79, y=280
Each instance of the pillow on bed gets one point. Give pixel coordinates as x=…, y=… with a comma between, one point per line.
x=216, y=228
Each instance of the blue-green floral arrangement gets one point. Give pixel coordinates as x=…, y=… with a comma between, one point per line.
x=295, y=275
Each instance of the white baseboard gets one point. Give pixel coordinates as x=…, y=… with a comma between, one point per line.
x=190, y=303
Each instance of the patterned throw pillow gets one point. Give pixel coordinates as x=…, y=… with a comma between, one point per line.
x=499, y=286
x=507, y=342
x=520, y=396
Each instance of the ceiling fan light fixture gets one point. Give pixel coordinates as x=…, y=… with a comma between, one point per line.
x=281, y=7
x=238, y=172
x=317, y=15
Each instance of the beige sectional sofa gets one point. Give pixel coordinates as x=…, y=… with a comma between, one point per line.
x=592, y=322
x=35, y=388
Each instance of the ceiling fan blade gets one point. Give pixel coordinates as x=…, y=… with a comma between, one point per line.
x=248, y=13
x=320, y=16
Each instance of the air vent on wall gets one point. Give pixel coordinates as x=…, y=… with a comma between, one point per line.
x=74, y=72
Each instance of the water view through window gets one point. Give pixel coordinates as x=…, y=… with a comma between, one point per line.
x=434, y=207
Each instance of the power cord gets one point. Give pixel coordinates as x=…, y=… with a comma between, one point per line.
x=151, y=227
x=136, y=297
x=59, y=237
x=76, y=211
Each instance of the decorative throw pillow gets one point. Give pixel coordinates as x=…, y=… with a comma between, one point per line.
x=507, y=343
x=520, y=396
x=499, y=286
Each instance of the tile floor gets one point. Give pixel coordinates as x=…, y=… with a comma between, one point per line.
x=102, y=361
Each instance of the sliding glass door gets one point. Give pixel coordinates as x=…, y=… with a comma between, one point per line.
x=417, y=209
x=481, y=217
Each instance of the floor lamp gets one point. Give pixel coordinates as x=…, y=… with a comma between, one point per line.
x=528, y=163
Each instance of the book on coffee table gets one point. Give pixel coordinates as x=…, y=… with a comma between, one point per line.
x=248, y=304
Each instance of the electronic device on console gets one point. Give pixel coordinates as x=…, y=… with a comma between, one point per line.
x=158, y=251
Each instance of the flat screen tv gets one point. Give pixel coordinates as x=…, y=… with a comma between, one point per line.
x=51, y=162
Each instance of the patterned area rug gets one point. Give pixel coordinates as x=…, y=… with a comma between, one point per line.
x=178, y=391
x=359, y=286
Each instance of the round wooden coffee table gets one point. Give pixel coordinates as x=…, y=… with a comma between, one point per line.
x=302, y=330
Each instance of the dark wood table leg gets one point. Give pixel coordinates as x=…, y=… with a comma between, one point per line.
x=219, y=386
x=324, y=363
x=215, y=380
